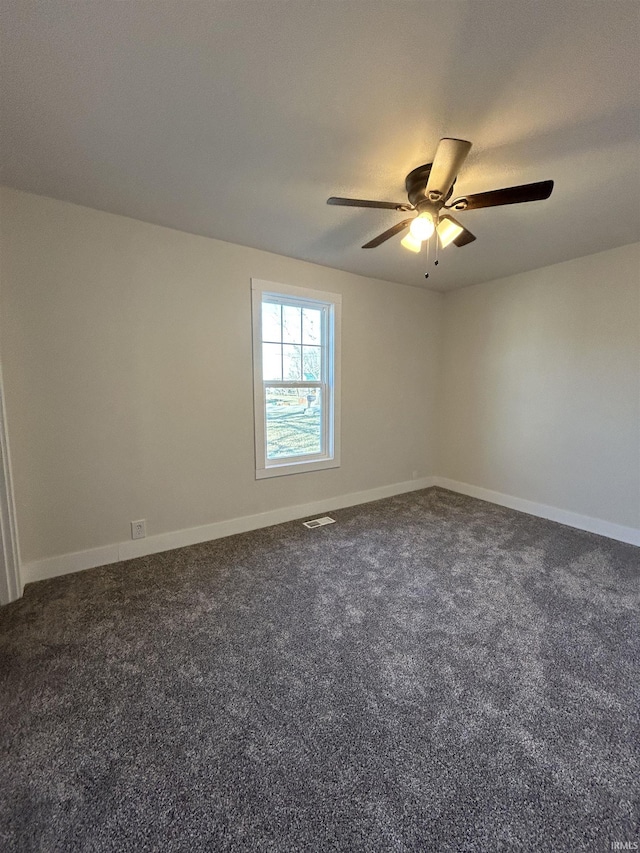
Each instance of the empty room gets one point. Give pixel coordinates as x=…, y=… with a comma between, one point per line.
x=319, y=426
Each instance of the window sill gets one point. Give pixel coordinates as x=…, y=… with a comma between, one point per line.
x=304, y=467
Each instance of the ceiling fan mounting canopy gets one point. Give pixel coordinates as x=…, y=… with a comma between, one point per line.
x=429, y=188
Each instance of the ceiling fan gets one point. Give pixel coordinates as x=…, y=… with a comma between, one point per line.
x=430, y=187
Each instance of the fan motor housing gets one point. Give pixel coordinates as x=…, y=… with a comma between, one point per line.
x=416, y=184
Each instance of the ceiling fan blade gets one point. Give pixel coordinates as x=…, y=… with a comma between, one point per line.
x=509, y=195
x=361, y=202
x=450, y=155
x=390, y=232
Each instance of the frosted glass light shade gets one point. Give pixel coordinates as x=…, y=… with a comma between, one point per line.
x=448, y=230
x=410, y=242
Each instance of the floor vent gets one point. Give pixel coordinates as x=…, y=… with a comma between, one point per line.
x=319, y=522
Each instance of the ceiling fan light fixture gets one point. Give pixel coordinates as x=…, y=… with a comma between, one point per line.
x=448, y=230
x=410, y=242
x=422, y=227
x=429, y=188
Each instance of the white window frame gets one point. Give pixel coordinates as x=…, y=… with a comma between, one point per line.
x=332, y=305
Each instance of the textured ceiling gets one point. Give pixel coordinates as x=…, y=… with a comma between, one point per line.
x=238, y=119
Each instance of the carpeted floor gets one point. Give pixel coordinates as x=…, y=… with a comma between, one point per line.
x=431, y=673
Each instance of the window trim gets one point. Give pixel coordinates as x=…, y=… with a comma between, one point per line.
x=297, y=465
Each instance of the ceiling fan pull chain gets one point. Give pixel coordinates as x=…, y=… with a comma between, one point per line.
x=426, y=249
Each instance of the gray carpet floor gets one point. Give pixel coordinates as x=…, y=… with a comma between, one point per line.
x=431, y=673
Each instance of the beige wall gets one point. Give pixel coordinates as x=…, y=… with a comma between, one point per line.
x=540, y=386
x=126, y=350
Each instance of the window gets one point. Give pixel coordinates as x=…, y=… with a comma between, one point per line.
x=296, y=336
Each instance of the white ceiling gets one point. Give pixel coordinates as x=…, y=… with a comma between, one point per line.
x=238, y=119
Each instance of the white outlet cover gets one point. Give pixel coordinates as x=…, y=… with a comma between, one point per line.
x=139, y=529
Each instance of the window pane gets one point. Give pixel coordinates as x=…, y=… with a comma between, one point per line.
x=291, y=324
x=311, y=363
x=291, y=363
x=311, y=326
x=293, y=422
x=271, y=328
x=271, y=361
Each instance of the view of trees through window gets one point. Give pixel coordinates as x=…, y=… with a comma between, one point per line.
x=292, y=352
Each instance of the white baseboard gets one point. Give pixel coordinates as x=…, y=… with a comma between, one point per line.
x=67, y=563
x=630, y=535
x=79, y=560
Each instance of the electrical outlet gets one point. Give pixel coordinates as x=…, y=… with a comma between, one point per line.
x=139, y=529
